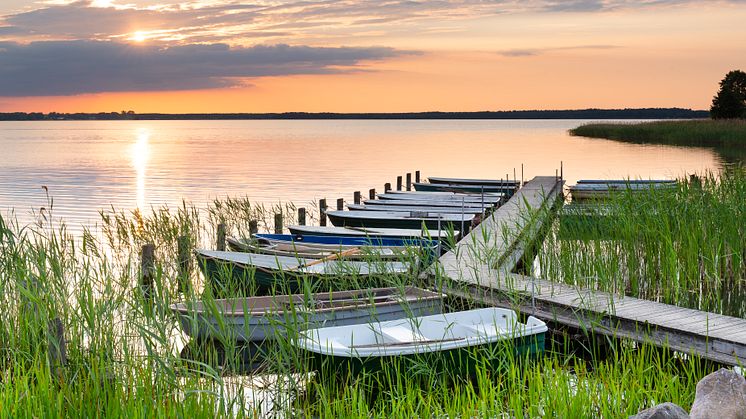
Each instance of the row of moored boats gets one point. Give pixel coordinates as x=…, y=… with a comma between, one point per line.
x=297, y=285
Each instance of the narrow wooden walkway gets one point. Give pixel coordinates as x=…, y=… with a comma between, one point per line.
x=482, y=267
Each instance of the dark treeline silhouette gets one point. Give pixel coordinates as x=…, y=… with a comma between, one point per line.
x=642, y=113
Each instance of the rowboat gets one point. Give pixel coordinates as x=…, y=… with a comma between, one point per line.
x=625, y=181
x=474, y=189
x=310, y=251
x=364, y=232
x=461, y=181
x=449, y=342
x=603, y=191
x=261, y=274
x=487, y=198
x=315, y=247
x=255, y=319
x=393, y=219
x=415, y=208
x=433, y=203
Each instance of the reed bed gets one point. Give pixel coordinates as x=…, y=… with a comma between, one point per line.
x=726, y=137
x=125, y=355
x=685, y=246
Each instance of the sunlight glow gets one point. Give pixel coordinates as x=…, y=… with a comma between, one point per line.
x=139, y=36
x=140, y=154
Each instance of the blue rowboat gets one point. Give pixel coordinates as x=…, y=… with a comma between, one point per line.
x=431, y=203
x=447, y=197
x=369, y=232
x=414, y=219
x=404, y=208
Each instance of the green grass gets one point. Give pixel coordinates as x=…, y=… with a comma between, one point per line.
x=123, y=350
x=728, y=137
x=685, y=246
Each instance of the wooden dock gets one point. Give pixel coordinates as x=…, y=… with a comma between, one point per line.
x=483, y=263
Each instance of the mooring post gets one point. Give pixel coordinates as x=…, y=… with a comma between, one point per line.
x=386, y=187
x=409, y=181
x=302, y=216
x=562, y=174
x=372, y=194
x=398, y=183
x=356, y=197
x=417, y=176
x=340, y=204
x=253, y=227
x=322, y=212
x=57, y=350
x=147, y=269
x=278, y=223
x=220, y=240
x=184, y=262
x=521, y=174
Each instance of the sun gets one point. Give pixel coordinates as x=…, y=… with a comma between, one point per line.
x=139, y=36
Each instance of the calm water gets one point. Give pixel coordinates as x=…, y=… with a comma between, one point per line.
x=92, y=165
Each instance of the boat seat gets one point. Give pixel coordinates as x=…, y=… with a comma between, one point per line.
x=485, y=329
x=401, y=334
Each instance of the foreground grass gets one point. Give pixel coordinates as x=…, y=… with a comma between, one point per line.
x=124, y=351
x=685, y=246
x=728, y=137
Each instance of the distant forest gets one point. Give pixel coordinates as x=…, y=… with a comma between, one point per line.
x=643, y=113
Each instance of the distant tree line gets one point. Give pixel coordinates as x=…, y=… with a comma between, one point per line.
x=642, y=113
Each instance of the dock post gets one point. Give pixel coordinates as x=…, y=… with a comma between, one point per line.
x=417, y=176
x=302, y=216
x=398, y=183
x=386, y=187
x=356, y=197
x=184, y=261
x=340, y=204
x=147, y=269
x=278, y=223
x=322, y=212
x=220, y=245
x=372, y=194
x=562, y=175
x=253, y=227
x=521, y=174
x=409, y=181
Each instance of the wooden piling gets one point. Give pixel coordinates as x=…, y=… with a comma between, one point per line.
x=356, y=197
x=398, y=183
x=386, y=187
x=340, y=204
x=253, y=227
x=147, y=269
x=322, y=212
x=417, y=176
x=302, y=216
x=409, y=181
x=220, y=245
x=372, y=194
x=184, y=262
x=278, y=223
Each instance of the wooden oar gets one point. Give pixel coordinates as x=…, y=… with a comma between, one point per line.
x=353, y=251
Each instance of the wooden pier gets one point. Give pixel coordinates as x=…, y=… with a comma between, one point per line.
x=483, y=263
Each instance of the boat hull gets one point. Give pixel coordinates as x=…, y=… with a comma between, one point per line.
x=372, y=233
x=459, y=361
x=339, y=219
x=509, y=190
x=230, y=279
x=285, y=315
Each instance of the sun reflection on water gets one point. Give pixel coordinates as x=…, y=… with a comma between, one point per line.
x=140, y=152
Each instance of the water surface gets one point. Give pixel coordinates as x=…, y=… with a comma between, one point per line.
x=92, y=165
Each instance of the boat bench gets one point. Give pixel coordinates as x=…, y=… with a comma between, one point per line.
x=484, y=329
x=401, y=334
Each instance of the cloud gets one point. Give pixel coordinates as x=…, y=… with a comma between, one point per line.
x=530, y=52
x=53, y=68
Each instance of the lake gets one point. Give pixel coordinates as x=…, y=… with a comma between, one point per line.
x=92, y=165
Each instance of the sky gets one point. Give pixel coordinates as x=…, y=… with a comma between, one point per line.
x=365, y=56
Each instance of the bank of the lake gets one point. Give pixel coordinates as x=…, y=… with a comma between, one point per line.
x=727, y=137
